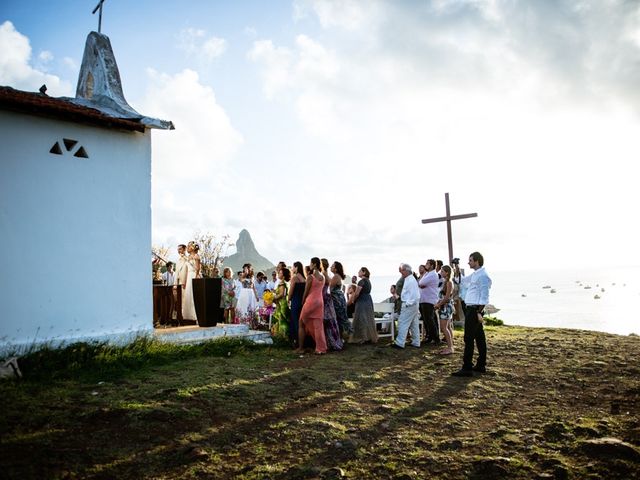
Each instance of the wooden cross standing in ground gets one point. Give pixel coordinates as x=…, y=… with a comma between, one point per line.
x=99, y=6
x=448, y=219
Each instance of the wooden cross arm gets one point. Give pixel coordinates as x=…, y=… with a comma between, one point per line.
x=452, y=217
x=98, y=6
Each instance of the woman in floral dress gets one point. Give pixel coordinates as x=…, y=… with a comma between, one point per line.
x=331, y=330
x=339, y=301
x=228, y=300
x=445, y=309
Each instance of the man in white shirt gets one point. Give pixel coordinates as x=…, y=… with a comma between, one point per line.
x=260, y=286
x=272, y=284
x=476, y=297
x=274, y=275
x=238, y=282
x=409, y=313
x=169, y=277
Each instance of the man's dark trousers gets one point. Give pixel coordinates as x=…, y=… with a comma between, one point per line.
x=474, y=332
x=429, y=320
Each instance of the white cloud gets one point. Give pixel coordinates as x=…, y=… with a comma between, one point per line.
x=190, y=163
x=521, y=117
x=196, y=42
x=45, y=56
x=204, y=136
x=308, y=64
x=277, y=74
x=314, y=61
x=15, y=68
x=70, y=63
x=214, y=47
x=347, y=14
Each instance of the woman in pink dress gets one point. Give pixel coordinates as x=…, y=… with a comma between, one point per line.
x=312, y=315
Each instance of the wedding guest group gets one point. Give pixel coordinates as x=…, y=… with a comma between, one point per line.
x=315, y=310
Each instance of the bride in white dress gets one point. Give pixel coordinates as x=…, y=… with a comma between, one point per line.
x=247, y=300
x=193, y=271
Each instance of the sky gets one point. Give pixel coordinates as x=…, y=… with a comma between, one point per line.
x=332, y=128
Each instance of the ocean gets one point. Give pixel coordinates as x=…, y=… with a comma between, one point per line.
x=569, y=302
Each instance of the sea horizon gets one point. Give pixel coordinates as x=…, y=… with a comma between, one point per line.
x=585, y=299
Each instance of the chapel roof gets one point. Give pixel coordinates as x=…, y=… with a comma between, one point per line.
x=62, y=108
x=99, y=97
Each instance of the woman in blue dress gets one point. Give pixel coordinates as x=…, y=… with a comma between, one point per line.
x=296, y=291
x=364, y=326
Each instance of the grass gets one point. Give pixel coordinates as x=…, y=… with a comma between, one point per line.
x=229, y=409
x=89, y=361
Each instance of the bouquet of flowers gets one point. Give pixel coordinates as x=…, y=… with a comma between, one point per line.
x=268, y=306
x=268, y=297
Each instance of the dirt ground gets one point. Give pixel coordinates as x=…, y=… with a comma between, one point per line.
x=554, y=404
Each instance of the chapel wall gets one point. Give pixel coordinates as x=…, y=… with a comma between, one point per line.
x=75, y=231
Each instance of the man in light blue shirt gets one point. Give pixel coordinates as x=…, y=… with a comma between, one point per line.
x=428, y=284
x=261, y=286
x=476, y=297
x=409, y=313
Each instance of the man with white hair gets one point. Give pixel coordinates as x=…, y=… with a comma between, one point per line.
x=409, y=313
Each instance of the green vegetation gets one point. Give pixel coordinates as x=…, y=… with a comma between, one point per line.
x=89, y=361
x=493, y=321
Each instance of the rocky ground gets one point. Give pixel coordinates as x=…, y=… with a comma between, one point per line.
x=554, y=404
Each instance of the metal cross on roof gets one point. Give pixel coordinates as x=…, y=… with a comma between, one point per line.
x=448, y=219
x=99, y=6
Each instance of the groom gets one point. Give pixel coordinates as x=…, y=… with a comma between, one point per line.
x=181, y=266
x=181, y=279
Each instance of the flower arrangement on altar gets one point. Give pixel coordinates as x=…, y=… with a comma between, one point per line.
x=254, y=319
x=212, y=252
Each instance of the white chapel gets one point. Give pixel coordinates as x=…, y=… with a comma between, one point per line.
x=75, y=211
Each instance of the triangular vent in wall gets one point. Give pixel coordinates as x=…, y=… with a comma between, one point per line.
x=82, y=153
x=56, y=150
x=69, y=144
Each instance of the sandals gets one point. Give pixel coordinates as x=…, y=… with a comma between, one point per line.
x=446, y=351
